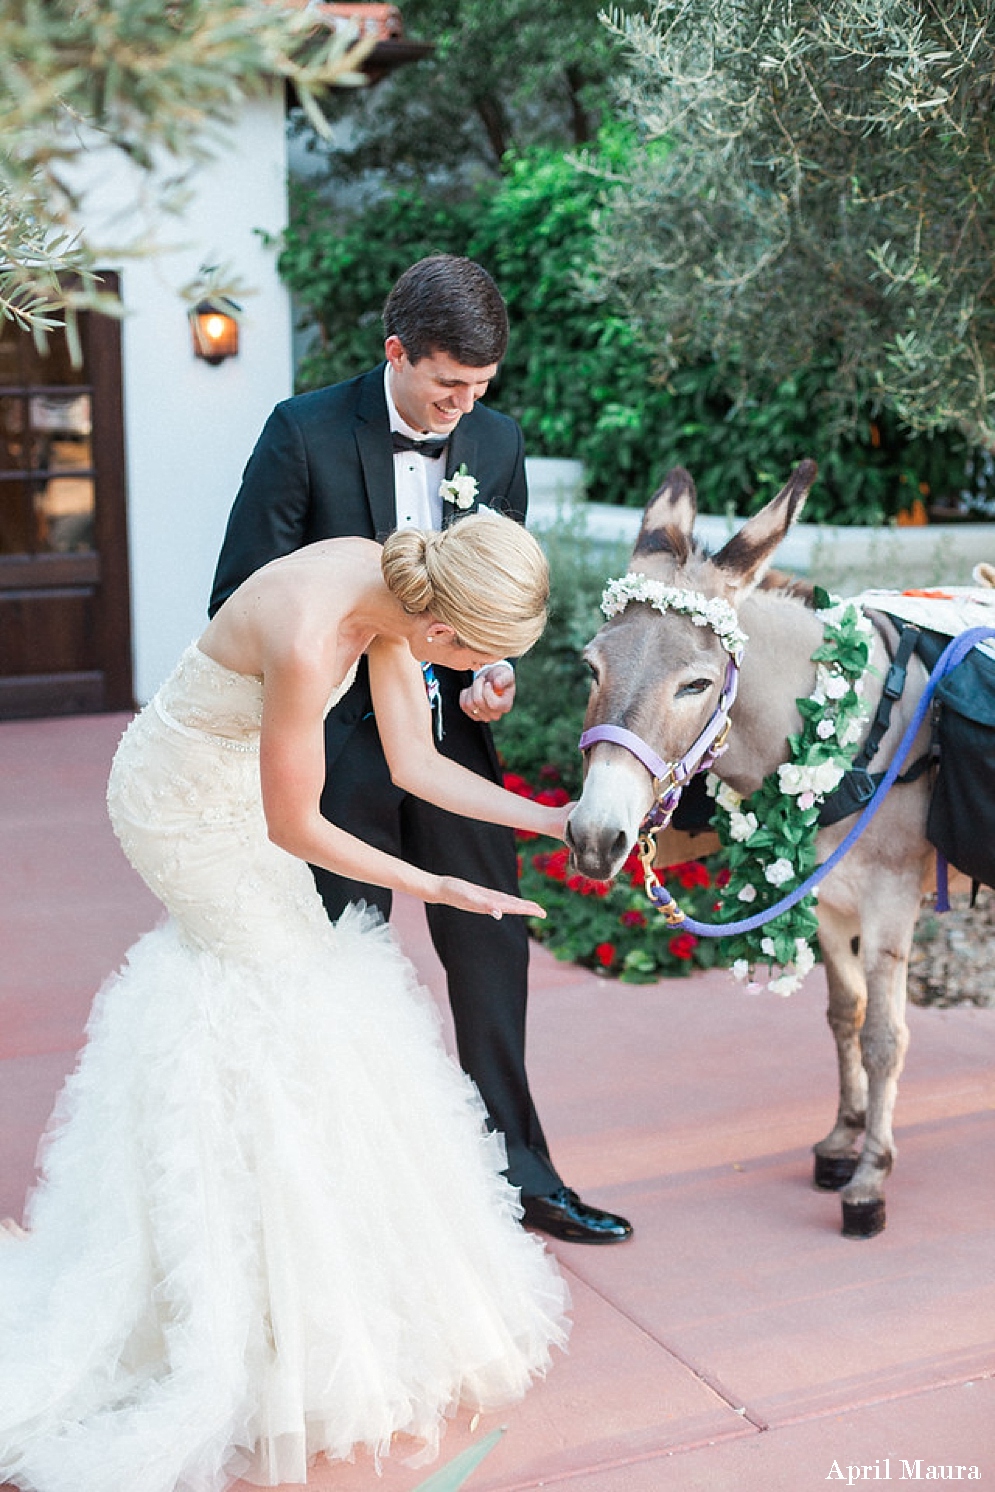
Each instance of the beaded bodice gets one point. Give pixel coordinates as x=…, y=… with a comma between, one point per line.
x=185, y=800
x=203, y=695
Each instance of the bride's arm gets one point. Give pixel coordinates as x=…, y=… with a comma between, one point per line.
x=292, y=773
x=405, y=725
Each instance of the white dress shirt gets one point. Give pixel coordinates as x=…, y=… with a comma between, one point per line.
x=418, y=503
x=417, y=479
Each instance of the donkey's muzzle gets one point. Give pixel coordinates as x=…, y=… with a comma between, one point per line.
x=597, y=852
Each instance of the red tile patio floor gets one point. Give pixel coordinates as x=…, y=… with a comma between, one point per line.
x=737, y=1343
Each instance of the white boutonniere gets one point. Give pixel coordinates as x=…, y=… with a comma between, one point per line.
x=460, y=490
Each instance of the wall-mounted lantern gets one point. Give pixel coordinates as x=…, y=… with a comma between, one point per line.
x=214, y=328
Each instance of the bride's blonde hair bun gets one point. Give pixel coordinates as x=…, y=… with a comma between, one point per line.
x=485, y=576
x=406, y=568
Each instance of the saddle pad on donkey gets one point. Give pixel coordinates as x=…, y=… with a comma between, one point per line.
x=949, y=609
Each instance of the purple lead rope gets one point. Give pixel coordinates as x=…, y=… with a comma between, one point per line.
x=955, y=652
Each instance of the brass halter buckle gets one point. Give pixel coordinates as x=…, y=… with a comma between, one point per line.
x=719, y=744
x=664, y=785
x=647, y=854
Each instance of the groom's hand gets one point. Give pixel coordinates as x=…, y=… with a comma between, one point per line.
x=491, y=694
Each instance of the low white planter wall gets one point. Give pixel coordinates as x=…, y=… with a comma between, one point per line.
x=553, y=481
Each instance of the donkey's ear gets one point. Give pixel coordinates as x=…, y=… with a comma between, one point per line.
x=749, y=552
x=669, y=518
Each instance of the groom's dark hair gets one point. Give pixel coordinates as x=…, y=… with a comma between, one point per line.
x=451, y=305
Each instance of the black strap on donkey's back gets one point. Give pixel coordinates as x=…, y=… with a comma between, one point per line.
x=858, y=784
x=960, y=822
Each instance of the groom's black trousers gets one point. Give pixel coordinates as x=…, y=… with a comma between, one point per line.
x=486, y=961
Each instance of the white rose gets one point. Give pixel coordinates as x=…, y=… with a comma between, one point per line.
x=785, y=985
x=742, y=826
x=825, y=729
x=460, y=489
x=767, y=946
x=804, y=957
x=791, y=778
x=740, y=969
x=782, y=870
x=727, y=797
x=836, y=686
x=464, y=491
x=748, y=893
x=826, y=776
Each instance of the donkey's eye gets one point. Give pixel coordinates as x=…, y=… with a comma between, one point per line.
x=592, y=670
x=696, y=686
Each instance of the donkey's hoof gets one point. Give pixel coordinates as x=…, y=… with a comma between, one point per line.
x=863, y=1219
x=833, y=1171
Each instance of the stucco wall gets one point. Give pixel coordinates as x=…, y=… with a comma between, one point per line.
x=190, y=426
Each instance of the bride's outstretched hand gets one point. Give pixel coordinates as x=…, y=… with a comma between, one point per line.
x=469, y=897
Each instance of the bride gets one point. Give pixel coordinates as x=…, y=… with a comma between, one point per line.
x=272, y=1221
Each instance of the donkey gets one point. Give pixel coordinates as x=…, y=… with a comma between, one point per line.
x=659, y=675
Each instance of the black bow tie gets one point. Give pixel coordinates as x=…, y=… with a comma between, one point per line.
x=428, y=448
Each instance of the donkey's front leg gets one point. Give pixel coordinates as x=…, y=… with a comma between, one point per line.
x=883, y=1043
x=837, y=1156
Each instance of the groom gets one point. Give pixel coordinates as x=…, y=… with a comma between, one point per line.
x=365, y=457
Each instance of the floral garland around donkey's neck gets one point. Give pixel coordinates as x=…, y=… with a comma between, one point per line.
x=768, y=838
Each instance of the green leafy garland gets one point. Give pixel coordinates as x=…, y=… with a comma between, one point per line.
x=769, y=838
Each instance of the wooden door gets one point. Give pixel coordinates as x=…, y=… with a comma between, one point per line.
x=65, y=632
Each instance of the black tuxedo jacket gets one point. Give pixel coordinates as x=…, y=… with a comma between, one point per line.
x=323, y=468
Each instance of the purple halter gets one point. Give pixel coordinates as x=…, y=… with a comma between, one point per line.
x=669, y=780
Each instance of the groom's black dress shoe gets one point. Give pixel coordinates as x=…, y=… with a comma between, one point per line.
x=563, y=1215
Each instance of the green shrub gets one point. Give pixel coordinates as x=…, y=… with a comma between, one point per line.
x=341, y=270
x=740, y=455
x=577, y=376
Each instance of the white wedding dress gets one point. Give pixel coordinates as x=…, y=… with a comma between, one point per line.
x=271, y=1221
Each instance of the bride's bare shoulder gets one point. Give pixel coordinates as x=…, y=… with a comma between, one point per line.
x=347, y=553
x=348, y=549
